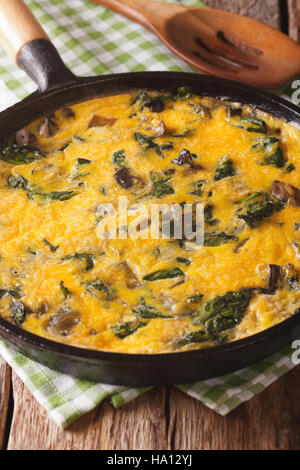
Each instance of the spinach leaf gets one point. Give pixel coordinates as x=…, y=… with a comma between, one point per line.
x=185, y=133
x=249, y=198
x=15, y=292
x=199, y=191
x=208, y=215
x=183, y=260
x=156, y=103
x=82, y=161
x=160, y=186
x=291, y=167
x=256, y=211
x=64, y=290
x=64, y=147
x=167, y=146
x=247, y=123
x=194, y=298
x=118, y=158
x=144, y=310
x=276, y=159
x=142, y=96
x=18, y=182
x=225, y=312
x=273, y=153
x=50, y=246
x=147, y=143
x=20, y=154
x=224, y=169
x=18, y=312
x=126, y=329
x=99, y=286
x=164, y=274
x=184, y=92
x=200, y=336
x=54, y=195
x=256, y=125
x=88, y=258
x=212, y=239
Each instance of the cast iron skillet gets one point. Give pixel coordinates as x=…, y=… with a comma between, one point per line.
x=57, y=86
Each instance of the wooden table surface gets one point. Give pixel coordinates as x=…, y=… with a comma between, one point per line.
x=166, y=418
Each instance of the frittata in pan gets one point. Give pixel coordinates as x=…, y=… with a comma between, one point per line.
x=61, y=279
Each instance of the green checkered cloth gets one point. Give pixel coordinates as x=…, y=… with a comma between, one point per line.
x=92, y=41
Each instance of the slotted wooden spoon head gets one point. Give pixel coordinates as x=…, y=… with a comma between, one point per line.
x=232, y=46
x=218, y=42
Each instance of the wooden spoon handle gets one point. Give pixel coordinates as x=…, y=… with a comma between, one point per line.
x=18, y=26
x=133, y=9
x=149, y=13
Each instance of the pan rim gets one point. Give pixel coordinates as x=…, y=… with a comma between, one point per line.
x=71, y=351
x=83, y=81
x=93, y=354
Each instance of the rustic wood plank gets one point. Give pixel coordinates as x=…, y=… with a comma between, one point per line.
x=5, y=376
x=294, y=19
x=268, y=421
x=268, y=12
x=138, y=425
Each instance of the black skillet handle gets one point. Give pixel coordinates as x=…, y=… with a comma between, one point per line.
x=24, y=40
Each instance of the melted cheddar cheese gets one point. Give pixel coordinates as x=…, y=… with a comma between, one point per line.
x=59, y=279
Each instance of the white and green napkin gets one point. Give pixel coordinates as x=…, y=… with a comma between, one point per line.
x=94, y=41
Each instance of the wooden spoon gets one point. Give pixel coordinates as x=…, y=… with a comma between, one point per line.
x=218, y=42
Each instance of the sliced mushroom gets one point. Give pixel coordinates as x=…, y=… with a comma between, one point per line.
x=143, y=225
x=160, y=130
x=276, y=131
x=167, y=301
x=202, y=110
x=170, y=172
x=48, y=128
x=240, y=245
x=184, y=158
x=42, y=308
x=296, y=247
x=23, y=137
x=236, y=226
x=233, y=111
x=132, y=282
x=178, y=283
x=99, y=121
x=124, y=178
x=274, y=273
x=156, y=105
x=286, y=193
x=68, y=112
x=63, y=323
x=127, y=179
x=93, y=332
x=282, y=277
